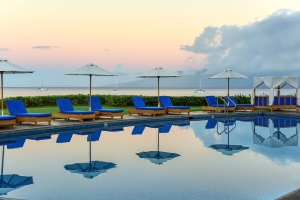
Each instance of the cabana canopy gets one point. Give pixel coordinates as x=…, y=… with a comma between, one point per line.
x=274, y=82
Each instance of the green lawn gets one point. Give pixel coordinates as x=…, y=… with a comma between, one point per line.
x=53, y=109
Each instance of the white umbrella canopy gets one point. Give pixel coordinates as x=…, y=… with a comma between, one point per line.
x=158, y=73
x=91, y=70
x=9, y=68
x=228, y=74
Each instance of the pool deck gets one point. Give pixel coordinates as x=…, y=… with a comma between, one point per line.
x=61, y=125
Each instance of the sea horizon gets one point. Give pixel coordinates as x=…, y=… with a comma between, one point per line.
x=32, y=91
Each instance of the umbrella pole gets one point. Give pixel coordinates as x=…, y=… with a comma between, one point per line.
x=90, y=92
x=90, y=154
x=2, y=103
x=158, y=93
x=228, y=89
x=157, y=140
x=2, y=164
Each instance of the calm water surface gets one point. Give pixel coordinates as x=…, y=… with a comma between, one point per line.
x=264, y=165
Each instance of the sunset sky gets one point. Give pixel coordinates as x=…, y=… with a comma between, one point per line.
x=55, y=37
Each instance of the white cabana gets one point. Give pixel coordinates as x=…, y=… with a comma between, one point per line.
x=274, y=82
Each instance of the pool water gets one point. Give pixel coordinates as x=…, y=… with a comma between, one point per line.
x=258, y=159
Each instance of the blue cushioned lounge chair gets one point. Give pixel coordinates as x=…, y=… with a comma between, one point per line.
x=18, y=109
x=213, y=105
x=8, y=120
x=99, y=111
x=67, y=111
x=141, y=108
x=167, y=104
x=243, y=107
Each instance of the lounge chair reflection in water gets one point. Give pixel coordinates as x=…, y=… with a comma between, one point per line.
x=67, y=111
x=18, y=109
x=141, y=108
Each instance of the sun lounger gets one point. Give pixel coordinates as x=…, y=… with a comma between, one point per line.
x=141, y=108
x=167, y=104
x=99, y=111
x=67, y=111
x=8, y=121
x=243, y=107
x=212, y=105
x=18, y=109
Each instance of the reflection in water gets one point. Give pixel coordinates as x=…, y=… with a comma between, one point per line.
x=276, y=138
x=90, y=169
x=157, y=157
x=9, y=182
x=225, y=149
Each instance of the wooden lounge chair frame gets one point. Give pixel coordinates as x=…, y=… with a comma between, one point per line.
x=220, y=108
x=150, y=112
x=98, y=114
x=245, y=108
x=176, y=110
x=8, y=122
x=21, y=119
x=80, y=117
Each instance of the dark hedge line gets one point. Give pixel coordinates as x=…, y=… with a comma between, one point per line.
x=117, y=100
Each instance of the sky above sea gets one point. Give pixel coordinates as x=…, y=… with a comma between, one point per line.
x=52, y=38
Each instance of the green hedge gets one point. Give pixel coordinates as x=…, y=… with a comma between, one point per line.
x=118, y=100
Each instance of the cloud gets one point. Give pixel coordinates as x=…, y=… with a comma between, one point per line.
x=45, y=47
x=106, y=50
x=4, y=49
x=267, y=47
x=119, y=70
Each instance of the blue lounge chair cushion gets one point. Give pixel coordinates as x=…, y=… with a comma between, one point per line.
x=64, y=105
x=109, y=110
x=15, y=106
x=7, y=117
x=167, y=103
x=150, y=108
x=97, y=105
x=139, y=103
x=178, y=107
x=81, y=112
x=33, y=115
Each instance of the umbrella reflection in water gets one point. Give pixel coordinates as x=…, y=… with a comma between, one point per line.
x=10, y=182
x=90, y=169
x=157, y=157
x=226, y=149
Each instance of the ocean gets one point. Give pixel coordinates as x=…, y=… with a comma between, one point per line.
x=22, y=91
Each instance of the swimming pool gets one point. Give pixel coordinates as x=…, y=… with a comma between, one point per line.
x=262, y=163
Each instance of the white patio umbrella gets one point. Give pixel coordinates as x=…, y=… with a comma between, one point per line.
x=9, y=68
x=91, y=70
x=158, y=73
x=228, y=74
